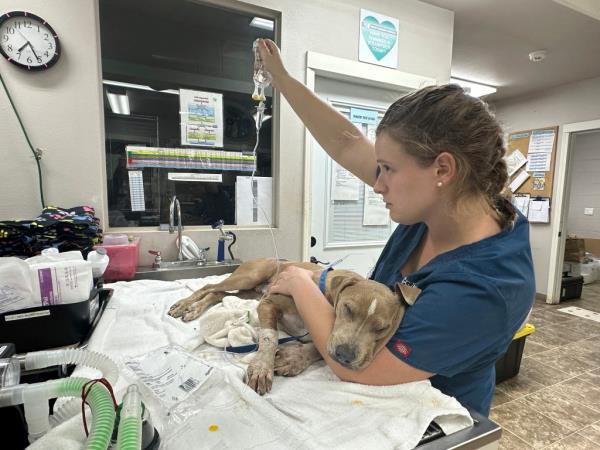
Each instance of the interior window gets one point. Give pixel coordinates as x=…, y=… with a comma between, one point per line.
x=160, y=61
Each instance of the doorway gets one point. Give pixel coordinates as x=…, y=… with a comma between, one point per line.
x=574, y=136
x=349, y=221
x=345, y=83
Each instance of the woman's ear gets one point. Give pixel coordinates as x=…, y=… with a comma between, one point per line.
x=445, y=166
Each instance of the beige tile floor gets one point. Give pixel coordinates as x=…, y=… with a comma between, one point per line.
x=554, y=401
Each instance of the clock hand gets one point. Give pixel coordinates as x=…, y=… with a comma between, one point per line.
x=23, y=46
x=34, y=54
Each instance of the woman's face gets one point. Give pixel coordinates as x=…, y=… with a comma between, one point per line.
x=409, y=190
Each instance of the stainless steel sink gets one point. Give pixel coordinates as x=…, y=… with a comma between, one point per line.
x=177, y=270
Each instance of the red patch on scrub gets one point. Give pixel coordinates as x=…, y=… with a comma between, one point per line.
x=402, y=348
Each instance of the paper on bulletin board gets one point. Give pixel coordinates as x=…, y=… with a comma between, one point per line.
x=541, y=145
x=519, y=180
x=378, y=39
x=201, y=118
x=514, y=162
x=541, y=141
x=374, y=211
x=539, y=162
x=344, y=185
x=253, y=200
x=521, y=202
x=539, y=210
x=538, y=181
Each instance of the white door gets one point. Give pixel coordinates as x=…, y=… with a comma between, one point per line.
x=340, y=225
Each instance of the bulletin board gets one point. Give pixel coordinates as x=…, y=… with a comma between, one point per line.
x=527, y=143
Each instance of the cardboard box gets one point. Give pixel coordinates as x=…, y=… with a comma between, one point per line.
x=574, y=250
x=593, y=246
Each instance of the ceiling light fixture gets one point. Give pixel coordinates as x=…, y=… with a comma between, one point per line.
x=473, y=88
x=138, y=86
x=119, y=103
x=265, y=24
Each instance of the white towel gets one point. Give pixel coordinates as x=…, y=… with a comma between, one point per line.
x=232, y=322
x=312, y=410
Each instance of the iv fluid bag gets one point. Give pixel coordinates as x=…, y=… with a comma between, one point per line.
x=261, y=77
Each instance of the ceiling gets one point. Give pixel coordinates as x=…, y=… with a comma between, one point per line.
x=493, y=38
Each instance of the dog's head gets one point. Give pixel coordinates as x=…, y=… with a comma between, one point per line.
x=367, y=314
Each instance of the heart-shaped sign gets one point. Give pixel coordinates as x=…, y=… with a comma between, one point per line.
x=380, y=37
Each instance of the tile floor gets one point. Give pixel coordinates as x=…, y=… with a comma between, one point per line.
x=554, y=401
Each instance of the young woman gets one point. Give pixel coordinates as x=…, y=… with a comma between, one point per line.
x=438, y=163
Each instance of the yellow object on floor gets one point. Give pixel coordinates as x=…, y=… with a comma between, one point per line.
x=525, y=331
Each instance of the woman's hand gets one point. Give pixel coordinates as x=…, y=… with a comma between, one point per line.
x=269, y=52
x=291, y=280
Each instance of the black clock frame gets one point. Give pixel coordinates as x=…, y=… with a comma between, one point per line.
x=53, y=60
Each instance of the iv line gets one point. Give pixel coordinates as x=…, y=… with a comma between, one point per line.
x=261, y=79
x=259, y=120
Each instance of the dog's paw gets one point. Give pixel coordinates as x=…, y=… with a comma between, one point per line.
x=260, y=376
x=192, y=312
x=290, y=360
x=179, y=308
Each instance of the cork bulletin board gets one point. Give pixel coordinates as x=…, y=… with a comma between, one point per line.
x=539, y=147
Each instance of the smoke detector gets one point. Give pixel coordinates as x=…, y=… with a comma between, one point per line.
x=538, y=55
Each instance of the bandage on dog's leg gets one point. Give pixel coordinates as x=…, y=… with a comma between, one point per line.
x=260, y=370
x=292, y=360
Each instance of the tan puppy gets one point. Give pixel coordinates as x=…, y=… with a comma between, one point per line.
x=367, y=314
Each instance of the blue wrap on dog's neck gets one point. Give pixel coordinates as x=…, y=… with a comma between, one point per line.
x=323, y=279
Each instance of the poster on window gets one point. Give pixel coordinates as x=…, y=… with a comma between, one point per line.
x=201, y=118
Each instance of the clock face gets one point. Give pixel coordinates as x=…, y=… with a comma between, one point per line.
x=28, y=41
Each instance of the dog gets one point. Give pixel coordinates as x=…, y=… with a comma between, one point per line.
x=367, y=314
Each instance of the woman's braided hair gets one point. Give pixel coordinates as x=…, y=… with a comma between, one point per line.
x=440, y=119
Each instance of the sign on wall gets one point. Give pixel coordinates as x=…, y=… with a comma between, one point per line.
x=378, y=39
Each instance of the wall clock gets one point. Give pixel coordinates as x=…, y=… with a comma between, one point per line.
x=28, y=41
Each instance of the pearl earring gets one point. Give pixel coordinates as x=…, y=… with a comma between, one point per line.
x=439, y=184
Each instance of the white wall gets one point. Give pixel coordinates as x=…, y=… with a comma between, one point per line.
x=575, y=102
x=62, y=108
x=585, y=186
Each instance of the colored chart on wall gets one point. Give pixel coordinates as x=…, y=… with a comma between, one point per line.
x=186, y=158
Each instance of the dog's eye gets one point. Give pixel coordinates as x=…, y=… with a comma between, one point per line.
x=348, y=310
x=380, y=329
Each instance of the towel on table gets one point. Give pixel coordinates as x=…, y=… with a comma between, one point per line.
x=312, y=410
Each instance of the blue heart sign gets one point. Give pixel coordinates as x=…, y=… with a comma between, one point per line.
x=380, y=36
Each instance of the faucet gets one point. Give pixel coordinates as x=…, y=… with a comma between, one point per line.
x=175, y=205
x=225, y=236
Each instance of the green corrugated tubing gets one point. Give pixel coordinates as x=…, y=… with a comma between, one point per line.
x=130, y=434
x=103, y=411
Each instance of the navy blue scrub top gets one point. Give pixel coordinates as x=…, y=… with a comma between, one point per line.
x=473, y=300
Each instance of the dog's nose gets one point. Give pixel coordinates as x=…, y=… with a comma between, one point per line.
x=345, y=354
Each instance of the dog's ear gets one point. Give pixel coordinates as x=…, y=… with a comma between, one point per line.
x=406, y=293
x=337, y=285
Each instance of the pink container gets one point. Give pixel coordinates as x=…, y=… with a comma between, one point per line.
x=123, y=260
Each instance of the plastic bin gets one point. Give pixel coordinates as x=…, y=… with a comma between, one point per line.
x=45, y=327
x=123, y=260
x=509, y=364
x=571, y=287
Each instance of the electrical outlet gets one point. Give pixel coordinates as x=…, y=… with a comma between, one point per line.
x=588, y=211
